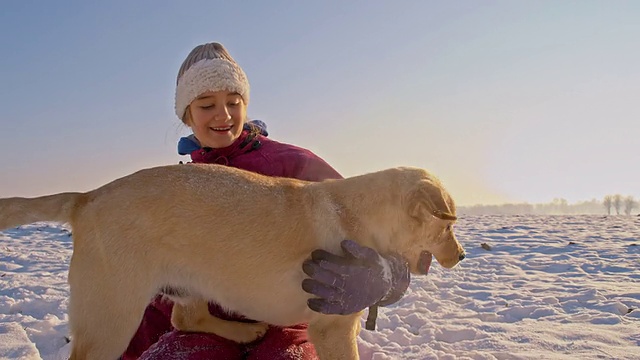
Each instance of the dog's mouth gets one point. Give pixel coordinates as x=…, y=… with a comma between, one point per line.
x=424, y=262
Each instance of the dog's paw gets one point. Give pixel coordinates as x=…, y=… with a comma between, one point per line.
x=250, y=332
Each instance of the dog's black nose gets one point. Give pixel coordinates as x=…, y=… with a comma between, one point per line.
x=462, y=256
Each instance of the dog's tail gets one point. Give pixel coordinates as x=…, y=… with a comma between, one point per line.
x=18, y=211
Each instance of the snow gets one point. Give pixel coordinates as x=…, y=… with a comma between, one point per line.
x=550, y=287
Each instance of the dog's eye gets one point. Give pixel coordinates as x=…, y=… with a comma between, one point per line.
x=449, y=227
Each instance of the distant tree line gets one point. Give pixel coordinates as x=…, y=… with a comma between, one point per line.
x=618, y=202
x=611, y=203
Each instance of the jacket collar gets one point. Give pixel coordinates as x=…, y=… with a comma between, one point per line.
x=245, y=143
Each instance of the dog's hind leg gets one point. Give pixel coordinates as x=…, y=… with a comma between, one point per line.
x=335, y=336
x=105, y=309
x=193, y=315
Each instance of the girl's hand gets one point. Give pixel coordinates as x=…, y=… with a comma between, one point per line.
x=353, y=282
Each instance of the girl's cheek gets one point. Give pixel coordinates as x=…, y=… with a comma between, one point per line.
x=238, y=113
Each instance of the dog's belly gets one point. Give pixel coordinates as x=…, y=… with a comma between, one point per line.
x=285, y=311
x=277, y=299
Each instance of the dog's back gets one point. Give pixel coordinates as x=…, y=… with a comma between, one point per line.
x=206, y=184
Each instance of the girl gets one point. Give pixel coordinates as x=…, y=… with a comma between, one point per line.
x=212, y=95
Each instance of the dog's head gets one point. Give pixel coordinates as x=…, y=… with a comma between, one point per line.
x=429, y=216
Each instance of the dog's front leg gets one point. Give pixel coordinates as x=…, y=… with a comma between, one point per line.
x=335, y=336
x=194, y=316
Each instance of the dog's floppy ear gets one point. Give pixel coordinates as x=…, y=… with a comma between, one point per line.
x=428, y=199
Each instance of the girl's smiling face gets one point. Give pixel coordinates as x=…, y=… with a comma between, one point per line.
x=216, y=118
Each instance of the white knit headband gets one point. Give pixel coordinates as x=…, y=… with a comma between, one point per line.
x=210, y=75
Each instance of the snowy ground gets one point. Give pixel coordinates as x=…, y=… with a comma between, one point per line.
x=550, y=287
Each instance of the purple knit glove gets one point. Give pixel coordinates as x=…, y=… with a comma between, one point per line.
x=353, y=282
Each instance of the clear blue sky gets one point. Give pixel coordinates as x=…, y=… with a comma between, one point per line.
x=505, y=100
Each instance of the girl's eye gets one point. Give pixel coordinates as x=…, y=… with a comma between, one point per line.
x=206, y=106
x=233, y=104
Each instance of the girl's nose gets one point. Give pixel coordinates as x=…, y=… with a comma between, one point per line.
x=222, y=115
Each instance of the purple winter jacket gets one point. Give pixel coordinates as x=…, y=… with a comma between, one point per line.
x=251, y=152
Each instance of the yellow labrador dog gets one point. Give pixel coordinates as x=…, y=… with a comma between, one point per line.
x=215, y=233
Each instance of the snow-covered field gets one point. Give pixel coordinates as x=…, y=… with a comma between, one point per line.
x=550, y=287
